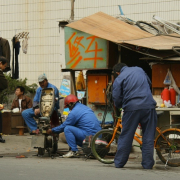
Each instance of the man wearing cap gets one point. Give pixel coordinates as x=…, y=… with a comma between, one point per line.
x=28, y=114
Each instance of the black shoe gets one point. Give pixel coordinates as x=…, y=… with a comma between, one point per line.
x=2, y=140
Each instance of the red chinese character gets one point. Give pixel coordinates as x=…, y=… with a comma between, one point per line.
x=96, y=50
x=74, y=52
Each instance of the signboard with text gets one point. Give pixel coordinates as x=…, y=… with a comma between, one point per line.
x=84, y=51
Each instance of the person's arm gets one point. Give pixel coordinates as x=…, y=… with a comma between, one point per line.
x=117, y=93
x=71, y=120
x=36, y=98
x=56, y=96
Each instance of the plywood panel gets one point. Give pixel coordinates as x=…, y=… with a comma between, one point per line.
x=102, y=25
x=175, y=69
x=159, y=72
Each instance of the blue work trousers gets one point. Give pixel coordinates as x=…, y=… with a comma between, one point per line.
x=28, y=115
x=130, y=121
x=74, y=136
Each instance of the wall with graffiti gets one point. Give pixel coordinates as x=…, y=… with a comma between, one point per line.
x=84, y=51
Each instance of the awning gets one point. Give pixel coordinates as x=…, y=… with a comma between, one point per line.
x=157, y=42
x=109, y=28
x=117, y=31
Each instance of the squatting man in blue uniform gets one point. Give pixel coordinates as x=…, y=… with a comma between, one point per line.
x=81, y=122
x=131, y=91
x=28, y=114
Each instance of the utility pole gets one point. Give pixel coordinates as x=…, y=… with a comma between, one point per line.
x=72, y=73
x=72, y=9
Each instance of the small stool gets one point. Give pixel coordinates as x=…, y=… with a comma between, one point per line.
x=21, y=130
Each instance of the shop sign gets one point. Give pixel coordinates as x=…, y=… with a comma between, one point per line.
x=84, y=51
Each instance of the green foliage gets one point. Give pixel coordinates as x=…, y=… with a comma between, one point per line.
x=12, y=84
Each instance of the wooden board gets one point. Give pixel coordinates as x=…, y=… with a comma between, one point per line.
x=159, y=72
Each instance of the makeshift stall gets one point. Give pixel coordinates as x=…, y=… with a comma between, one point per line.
x=88, y=52
x=98, y=42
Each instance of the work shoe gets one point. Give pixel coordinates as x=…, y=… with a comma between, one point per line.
x=69, y=154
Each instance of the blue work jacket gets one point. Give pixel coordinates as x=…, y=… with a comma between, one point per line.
x=37, y=96
x=81, y=117
x=131, y=90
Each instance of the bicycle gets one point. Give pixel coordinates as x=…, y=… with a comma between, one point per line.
x=167, y=144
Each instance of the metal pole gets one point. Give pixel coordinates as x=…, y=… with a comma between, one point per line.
x=72, y=9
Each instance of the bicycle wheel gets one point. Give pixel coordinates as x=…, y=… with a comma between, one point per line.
x=99, y=146
x=169, y=154
x=176, y=49
x=147, y=27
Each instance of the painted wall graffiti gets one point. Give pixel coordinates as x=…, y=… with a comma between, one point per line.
x=84, y=51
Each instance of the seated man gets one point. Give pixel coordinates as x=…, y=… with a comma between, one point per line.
x=21, y=101
x=81, y=122
x=28, y=114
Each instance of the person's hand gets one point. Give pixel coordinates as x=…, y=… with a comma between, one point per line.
x=37, y=111
x=1, y=106
x=49, y=131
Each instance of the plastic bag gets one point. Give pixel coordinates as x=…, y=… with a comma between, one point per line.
x=168, y=103
x=167, y=80
x=80, y=83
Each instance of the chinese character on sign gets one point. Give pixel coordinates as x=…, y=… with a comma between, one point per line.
x=81, y=48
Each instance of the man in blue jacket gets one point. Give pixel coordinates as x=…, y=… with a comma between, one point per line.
x=81, y=122
x=131, y=91
x=28, y=114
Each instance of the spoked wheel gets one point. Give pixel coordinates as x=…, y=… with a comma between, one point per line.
x=99, y=148
x=169, y=155
x=147, y=27
x=176, y=49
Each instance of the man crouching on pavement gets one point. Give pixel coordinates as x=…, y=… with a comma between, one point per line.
x=81, y=122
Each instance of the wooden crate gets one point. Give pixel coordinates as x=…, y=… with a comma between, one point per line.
x=10, y=121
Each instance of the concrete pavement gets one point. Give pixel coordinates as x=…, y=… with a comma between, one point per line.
x=21, y=145
x=16, y=145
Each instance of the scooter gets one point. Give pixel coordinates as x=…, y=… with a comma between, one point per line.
x=49, y=119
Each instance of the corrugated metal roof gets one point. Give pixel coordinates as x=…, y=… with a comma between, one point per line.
x=115, y=30
x=109, y=28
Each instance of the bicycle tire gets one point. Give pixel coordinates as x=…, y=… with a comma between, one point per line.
x=164, y=150
x=99, y=143
x=174, y=48
x=142, y=25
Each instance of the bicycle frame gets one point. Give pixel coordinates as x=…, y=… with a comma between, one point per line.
x=136, y=138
